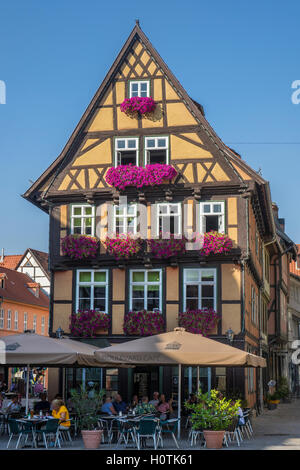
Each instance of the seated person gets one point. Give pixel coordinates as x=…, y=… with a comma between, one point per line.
x=108, y=407
x=155, y=399
x=59, y=411
x=145, y=407
x=119, y=404
x=14, y=405
x=42, y=405
x=135, y=401
x=163, y=407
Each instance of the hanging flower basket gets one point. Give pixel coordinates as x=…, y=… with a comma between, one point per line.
x=198, y=321
x=138, y=105
x=143, y=323
x=123, y=246
x=130, y=175
x=166, y=246
x=79, y=246
x=84, y=323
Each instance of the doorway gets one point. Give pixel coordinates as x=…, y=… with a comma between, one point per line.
x=145, y=381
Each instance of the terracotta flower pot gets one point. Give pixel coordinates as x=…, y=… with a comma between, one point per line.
x=92, y=439
x=214, y=439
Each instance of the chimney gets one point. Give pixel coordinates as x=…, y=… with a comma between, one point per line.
x=275, y=209
x=2, y=255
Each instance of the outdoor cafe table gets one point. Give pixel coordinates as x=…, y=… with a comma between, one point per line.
x=36, y=421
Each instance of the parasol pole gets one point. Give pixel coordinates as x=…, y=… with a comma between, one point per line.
x=179, y=400
x=27, y=388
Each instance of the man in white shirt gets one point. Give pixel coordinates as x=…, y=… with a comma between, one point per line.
x=155, y=400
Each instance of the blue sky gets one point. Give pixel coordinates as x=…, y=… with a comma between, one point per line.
x=238, y=59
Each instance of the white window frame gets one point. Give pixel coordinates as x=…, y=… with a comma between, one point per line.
x=168, y=214
x=16, y=320
x=139, y=83
x=145, y=284
x=127, y=139
x=83, y=217
x=8, y=320
x=125, y=216
x=2, y=312
x=199, y=283
x=92, y=284
x=221, y=215
x=156, y=138
x=25, y=321
x=34, y=323
x=43, y=325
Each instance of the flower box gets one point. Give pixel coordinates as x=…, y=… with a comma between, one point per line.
x=86, y=323
x=138, y=105
x=143, y=323
x=123, y=176
x=123, y=246
x=79, y=246
x=215, y=243
x=166, y=246
x=199, y=321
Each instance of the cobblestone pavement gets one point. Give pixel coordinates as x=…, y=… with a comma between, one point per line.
x=273, y=430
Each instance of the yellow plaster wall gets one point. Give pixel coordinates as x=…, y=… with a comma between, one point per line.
x=179, y=115
x=124, y=121
x=118, y=284
x=231, y=282
x=172, y=316
x=100, y=154
x=103, y=120
x=117, y=319
x=172, y=283
x=232, y=211
x=63, y=285
x=231, y=318
x=182, y=149
x=61, y=316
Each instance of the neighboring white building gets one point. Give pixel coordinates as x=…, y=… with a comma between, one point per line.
x=35, y=264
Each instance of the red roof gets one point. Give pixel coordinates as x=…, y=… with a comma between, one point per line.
x=11, y=261
x=16, y=289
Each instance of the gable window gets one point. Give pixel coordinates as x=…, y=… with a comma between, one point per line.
x=139, y=88
x=16, y=326
x=169, y=218
x=145, y=290
x=125, y=219
x=92, y=290
x=25, y=321
x=2, y=318
x=82, y=219
x=156, y=150
x=126, y=151
x=199, y=289
x=211, y=217
x=8, y=319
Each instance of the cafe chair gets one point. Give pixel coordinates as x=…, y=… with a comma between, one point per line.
x=168, y=426
x=50, y=430
x=14, y=430
x=148, y=428
x=64, y=432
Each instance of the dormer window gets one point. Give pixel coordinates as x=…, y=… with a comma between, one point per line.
x=156, y=150
x=211, y=217
x=126, y=151
x=139, y=88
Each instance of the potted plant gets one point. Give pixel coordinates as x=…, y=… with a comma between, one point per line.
x=283, y=390
x=86, y=408
x=273, y=400
x=212, y=413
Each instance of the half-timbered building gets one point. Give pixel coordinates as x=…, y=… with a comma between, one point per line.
x=213, y=190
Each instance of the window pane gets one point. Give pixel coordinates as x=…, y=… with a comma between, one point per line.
x=207, y=303
x=152, y=304
x=99, y=304
x=131, y=144
x=191, y=304
x=217, y=208
x=121, y=144
x=144, y=86
x=84, y=291
x=144, y=94
x=134, y=86
x=137, y=304
x=77, y=210
x=206, y=208
x=207, y=275
x=77, y=222
x=150, y=142
x=192, y=275
x=138, y=292
x=85, y=277
x=153, y=291
x=84, y=304
x=207, y=291
x=161, y=143
x=88, y=211
x=99, y=291
x=163, y=209
x=131, y=210
x=138, y=276
x=153, y=276
x=212, y=223
x=100, y=277
x=174, y=209
x=192, y=291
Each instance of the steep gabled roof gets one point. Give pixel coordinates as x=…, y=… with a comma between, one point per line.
x=17, y=289
x=41, y=258
x=11, y=261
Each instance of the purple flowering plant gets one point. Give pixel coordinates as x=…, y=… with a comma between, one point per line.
x=166, y=246
x=215, y=243
x=130, y=175
x=138, y=105
x=79, y=246
x=84, y=323
x=123, y=246
x=199, y=321
x=143, y=323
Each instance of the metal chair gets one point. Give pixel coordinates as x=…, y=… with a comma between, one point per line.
x=168, y=426
x=148, y=428
x=51, y=429
x=233, y=433
x=64, y=432
x=126, y=430
x=14, y=430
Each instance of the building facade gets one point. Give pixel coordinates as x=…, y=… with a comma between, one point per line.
x=214, y=190
x=294, y=325
x=35, y=264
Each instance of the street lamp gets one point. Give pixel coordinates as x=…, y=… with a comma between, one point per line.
x=230, y=335
x=59, y=332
